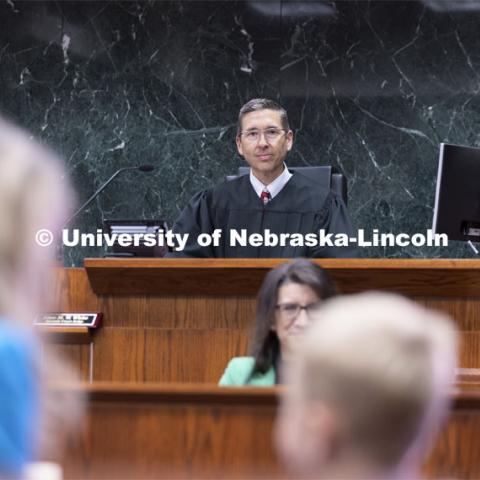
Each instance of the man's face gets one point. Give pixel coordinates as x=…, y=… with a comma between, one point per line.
x=264, y=155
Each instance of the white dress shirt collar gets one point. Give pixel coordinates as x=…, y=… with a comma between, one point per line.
x=275, y=187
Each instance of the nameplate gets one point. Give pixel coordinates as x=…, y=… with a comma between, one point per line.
x=91, y=320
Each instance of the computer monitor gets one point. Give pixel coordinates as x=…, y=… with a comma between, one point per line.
x=457, y=197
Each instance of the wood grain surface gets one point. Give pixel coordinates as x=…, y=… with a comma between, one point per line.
x=200, y=431
x=184, y=335
x=243, y=276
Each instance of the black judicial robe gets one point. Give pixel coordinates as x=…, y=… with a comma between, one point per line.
x=302, y=206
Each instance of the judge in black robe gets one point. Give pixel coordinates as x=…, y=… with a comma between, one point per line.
x=302, y=206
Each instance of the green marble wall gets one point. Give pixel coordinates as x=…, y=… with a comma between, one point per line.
x=371, y=87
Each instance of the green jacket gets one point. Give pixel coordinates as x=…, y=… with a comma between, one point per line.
x=238, y=372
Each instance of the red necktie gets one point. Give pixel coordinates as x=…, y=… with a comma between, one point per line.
x=265, y=196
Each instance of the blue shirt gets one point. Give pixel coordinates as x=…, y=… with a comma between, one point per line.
x=18, y=400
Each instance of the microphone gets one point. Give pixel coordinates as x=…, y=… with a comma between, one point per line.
x=142, y=168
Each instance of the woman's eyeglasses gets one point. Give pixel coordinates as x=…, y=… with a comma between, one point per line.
x=290, y=311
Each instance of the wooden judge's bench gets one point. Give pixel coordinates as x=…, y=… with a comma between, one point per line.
x=180, y=320
x=172, y=322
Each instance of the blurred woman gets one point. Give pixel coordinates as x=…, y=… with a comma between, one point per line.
x=288, y=295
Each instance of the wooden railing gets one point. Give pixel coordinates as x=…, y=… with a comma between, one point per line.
x=202, y=431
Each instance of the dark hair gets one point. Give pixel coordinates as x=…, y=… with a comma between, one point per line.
x=262, y=104
x=265, y=344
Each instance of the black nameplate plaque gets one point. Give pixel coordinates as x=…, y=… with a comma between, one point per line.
x=90, y=320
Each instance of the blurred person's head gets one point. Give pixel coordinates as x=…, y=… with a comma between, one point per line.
x=368, y=389
x=287, y=297
x=33, y=196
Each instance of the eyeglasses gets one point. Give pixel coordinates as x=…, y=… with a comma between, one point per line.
x=290, y=311
x=271, y=134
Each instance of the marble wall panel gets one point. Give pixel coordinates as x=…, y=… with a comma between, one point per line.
x=371, y=87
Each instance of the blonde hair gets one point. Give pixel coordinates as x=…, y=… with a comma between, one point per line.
x=33, y=196
x=383, y=364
